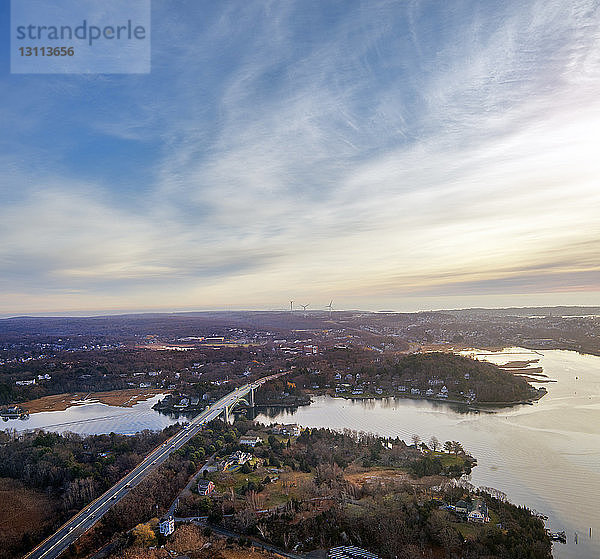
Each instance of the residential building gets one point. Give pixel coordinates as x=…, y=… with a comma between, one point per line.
x=292, y=430
x=478, y=512
x=205, y=487
x=167, y=526
x=238, y=458
x=24, y=382
x=250, y=441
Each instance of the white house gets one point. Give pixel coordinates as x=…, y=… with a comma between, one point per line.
x=250, y=441
x=167, y=526
x=24, y=382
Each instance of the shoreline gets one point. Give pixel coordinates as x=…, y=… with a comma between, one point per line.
x=527, y=401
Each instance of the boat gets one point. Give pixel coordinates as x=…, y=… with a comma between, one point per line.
x=558, y=537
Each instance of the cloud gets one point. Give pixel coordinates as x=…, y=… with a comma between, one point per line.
x=276, y=149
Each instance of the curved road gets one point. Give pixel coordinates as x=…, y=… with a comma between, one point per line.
x=53, y=546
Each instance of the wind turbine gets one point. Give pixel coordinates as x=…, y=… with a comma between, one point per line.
x=304, y=307
x=291, y=306
x=330, y=307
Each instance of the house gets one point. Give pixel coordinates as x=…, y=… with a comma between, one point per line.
x=429, y=392
x=167, y=526
x=250, y=441
x=292, y=430
x=476, y=516
x=478, y=512
x=238, y=458
x=415, y=391
x=402, y=389
x=24, y=382
x=205, y=487
x=462, y=507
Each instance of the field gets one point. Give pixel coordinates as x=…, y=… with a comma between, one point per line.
x=360, y=476
x=22, y=511
x=289, y=485
x=60, y=402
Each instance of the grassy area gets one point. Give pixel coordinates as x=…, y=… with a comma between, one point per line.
x=448, y=459
x=494, y=518
x=60, y=402
x=289, y=484
x=467, y=530
x=224, y=481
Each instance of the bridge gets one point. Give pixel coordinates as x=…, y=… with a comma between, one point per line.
x=68, y=533
x=239, y=396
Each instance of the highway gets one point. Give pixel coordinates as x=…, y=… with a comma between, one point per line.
x=54, y=545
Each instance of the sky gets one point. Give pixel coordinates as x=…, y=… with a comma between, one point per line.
x=403, y=155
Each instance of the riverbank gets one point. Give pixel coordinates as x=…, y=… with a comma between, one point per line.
x=61, y=402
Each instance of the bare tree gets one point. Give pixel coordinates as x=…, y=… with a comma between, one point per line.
x=434, y=443
x=263, y=530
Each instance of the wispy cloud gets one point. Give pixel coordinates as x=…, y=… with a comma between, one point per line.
x=379, y=151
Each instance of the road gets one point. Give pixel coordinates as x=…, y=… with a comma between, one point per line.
x=53, y=546
x=255, y=542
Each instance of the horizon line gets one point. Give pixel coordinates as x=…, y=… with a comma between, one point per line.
x=111, y=314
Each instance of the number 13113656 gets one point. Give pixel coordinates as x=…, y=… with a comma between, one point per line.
x=47, y=51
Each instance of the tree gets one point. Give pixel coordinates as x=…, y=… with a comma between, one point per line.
x=415, y=440
x=144, y=535
x=448, y=446
x=434, y=443
x=457, y=447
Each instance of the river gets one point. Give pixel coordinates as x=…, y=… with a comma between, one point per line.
x=545, y=456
